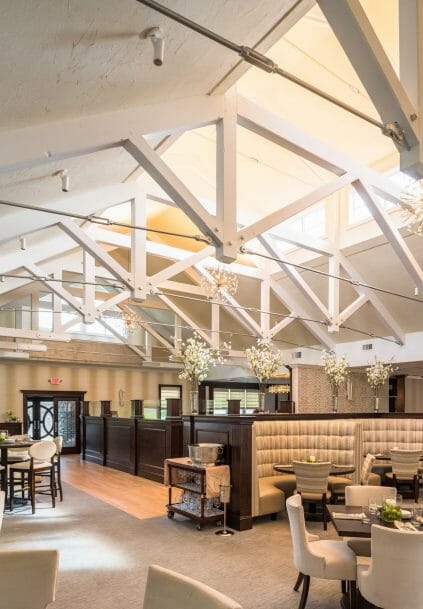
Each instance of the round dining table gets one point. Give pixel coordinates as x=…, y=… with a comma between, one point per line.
x=335, y=470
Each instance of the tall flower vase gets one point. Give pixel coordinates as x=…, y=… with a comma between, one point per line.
x=261, y=396
x=334, y=403
x=376, y=399
x=193, y=400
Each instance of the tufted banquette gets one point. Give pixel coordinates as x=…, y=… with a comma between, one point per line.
x=380, y=435
x=338, y=441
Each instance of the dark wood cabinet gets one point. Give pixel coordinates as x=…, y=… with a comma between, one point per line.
x=13, y=427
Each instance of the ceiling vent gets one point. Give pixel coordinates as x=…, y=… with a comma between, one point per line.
x=297, y=355
x=367, y=347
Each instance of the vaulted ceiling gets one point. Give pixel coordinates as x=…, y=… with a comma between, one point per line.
x=66, y=60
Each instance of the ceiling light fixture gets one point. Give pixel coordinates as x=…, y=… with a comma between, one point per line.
x=156, y=36
x=131, y=321
x=64, y=177
x=412, y=204
x=221, y=284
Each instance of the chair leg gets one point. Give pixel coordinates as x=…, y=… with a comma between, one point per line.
x=325, y=521
x=12, y=490
x=304, y=594
x=52, y=487
x=59, y=479
x=416, y=489
x=343, y=586
x=22, y=485
x=353, y=595
x=299, y=581
x=31, y=476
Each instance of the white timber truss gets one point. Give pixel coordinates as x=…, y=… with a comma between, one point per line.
x=85, y=251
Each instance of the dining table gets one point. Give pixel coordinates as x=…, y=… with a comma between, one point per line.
x=335, y=470
x=357, y=527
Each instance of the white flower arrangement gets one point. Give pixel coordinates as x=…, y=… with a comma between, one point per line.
x=264, y=362
x=378, y=373
x=196, y=358
x=335, y=370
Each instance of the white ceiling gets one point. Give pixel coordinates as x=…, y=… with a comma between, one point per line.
x=67, y=58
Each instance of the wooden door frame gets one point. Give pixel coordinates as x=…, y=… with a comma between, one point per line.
x=27, y=393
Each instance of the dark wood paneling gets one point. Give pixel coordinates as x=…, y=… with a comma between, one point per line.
x=120, y=443
x=157, y=441
x=235, y=433
x=93, y=443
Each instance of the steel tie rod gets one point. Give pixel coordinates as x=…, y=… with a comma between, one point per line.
x=257, y=59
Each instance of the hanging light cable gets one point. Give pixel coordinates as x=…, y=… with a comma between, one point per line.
x=105, y=221
x=353, y=282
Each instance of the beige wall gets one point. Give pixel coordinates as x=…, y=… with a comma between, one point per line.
x=312, y=392
x=100, y=382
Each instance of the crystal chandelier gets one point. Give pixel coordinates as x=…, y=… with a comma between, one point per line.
x=221, y=284
x=412, y=204
x=131, y=321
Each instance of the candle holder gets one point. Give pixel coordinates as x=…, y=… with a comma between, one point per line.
x=225, y=497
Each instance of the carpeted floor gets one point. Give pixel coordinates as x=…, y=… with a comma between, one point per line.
x=105, y=553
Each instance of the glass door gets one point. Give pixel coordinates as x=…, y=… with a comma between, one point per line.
x=40, y=418
x=68, y=410
x=46, y=417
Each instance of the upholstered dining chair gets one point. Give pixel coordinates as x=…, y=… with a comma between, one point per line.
x=312, y=483
x=28, y=578
x=405, y=469
x=366, y=475
x=358, y=495
x=392, y=577
x=325, y=559
x=167, y=589
x=41, y=461
x=16, y=455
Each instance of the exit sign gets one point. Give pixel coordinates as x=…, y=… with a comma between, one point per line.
x=55, y=380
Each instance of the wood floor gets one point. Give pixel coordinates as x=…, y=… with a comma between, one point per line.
x=139, y=497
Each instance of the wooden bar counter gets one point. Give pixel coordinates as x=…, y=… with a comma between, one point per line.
x=134, y=445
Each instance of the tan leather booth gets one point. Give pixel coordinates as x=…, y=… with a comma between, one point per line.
x=380, y=435
x=337, y=441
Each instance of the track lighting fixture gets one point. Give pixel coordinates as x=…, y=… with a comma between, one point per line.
x=156, y=36
x=64, y=177
x=22, y=241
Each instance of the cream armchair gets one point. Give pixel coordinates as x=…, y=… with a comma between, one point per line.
x=325, y=559
x=28, y=578
x=359, y=496
x=166, y=590
x=392, y=578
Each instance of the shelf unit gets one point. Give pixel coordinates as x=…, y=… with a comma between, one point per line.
x=194, y=504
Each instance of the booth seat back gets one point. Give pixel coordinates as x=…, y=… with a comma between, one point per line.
x=338, y=441
x=380, y=435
